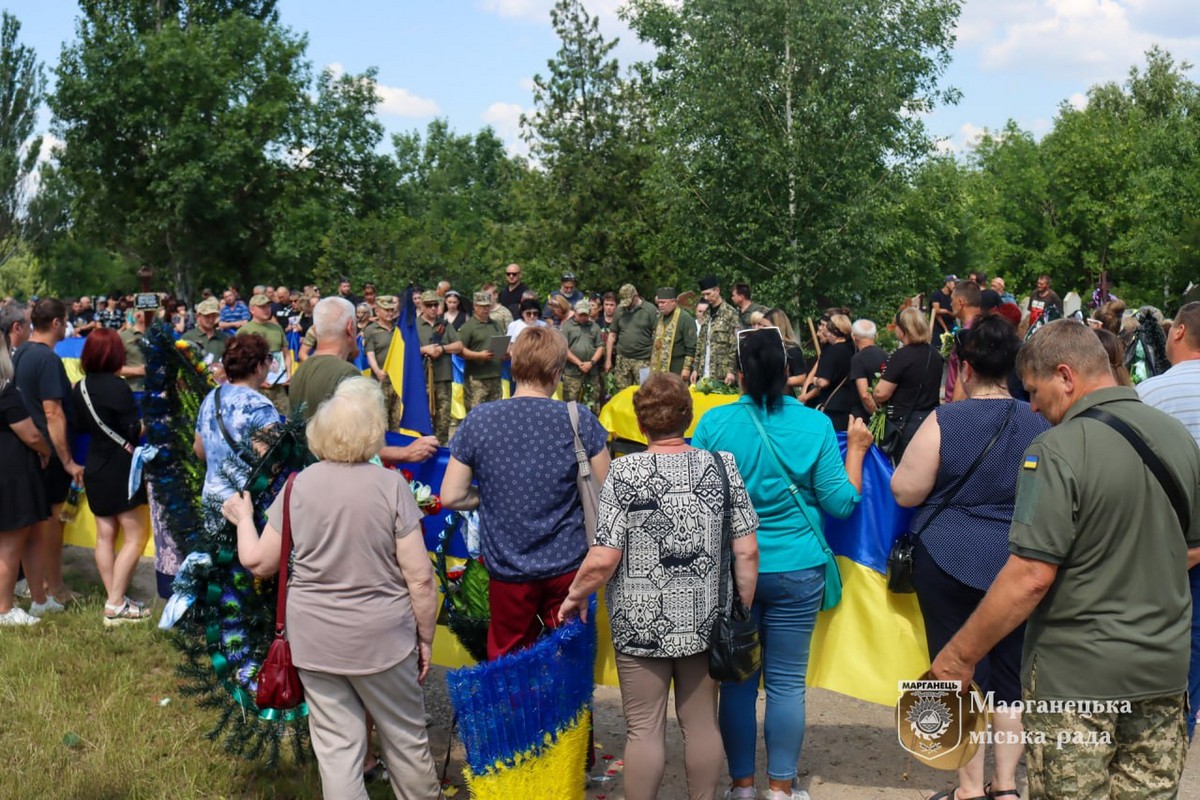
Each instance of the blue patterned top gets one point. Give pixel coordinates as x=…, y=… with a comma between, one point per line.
x=523, y=455
x=244, y=411
x=969, y=540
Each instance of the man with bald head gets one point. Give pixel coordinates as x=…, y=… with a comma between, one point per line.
x=1106, y=524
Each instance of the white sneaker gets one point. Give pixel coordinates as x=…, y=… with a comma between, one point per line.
x=741, y=793
x=794, y=794
x=22, y=588
x=51, y=606
x=17, y=616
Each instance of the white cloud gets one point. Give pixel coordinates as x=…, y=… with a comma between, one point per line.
x=505, y=118
x=526, y=85
x=1089, y=40
x=397, y=101
x=1078, y=101
x=538, y=10
x=628, y=50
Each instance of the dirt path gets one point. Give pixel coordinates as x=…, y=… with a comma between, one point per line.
x=850, y=747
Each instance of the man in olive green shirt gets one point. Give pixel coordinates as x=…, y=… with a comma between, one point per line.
x=439, y=342
x=674, y=337
x=585, y=352
x=205, y=336
x=262, y=322
x=482, y=372
x=1098, y=566
x=630, y=338
x=377, y=340
x=134, y=371
x=740, y=298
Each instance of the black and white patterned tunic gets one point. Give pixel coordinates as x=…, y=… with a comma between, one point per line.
x=664, y=512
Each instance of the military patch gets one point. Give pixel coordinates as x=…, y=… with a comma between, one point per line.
x=1031, y=462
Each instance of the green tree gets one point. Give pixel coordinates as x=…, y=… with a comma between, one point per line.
x=783, y=125
x=21, y=85
x=589, y=137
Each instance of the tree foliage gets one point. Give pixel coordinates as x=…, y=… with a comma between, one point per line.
x=21, y=86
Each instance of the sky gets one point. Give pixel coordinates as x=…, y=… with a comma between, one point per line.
x=472, y=62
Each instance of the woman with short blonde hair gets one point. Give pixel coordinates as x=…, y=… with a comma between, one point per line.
x=361, y=603
x=915, y=327
x=521, y=454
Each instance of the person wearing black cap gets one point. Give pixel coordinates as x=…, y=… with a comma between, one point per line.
x=716, y=347
x=674, y=338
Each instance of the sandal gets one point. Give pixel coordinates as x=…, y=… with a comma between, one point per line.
x=987, y=790
x=126, y=612
x=953, y=795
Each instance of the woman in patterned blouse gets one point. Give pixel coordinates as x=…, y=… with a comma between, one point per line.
x=658, y=546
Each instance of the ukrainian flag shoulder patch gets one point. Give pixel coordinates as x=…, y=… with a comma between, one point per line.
x=1031, y=462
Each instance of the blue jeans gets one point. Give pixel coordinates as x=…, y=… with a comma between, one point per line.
x=786, y=606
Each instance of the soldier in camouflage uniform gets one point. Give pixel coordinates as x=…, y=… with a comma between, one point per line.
x=1098, y=562
x=630, y=338
x=716, y=344
x=482, y=378
x=377, y=340
x=439, y=341
x=585, y=352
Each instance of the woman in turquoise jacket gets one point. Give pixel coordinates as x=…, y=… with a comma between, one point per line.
x=791, y=554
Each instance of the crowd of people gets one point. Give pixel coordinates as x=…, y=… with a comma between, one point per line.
x=1057, y=506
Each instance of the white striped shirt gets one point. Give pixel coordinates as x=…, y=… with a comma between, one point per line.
x=1177, y=392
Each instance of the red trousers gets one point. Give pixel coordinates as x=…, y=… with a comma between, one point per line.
x=520, y=611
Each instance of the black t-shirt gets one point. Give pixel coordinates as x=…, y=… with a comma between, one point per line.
x=916, y=369
x=865, y=364
x=283, y=314
x=941, y=323
x=39, y=374
x=84, y=317
x=114, y=403
x=834, y=366
x=795, y=361
x=510, y=299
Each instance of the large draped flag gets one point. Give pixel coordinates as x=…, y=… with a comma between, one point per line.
x=406, y=369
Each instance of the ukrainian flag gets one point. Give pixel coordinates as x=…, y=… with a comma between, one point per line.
x=873, y=638
x=406, y=369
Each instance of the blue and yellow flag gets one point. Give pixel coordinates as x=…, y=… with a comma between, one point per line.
x=406, y=369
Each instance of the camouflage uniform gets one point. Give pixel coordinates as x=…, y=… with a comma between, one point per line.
x=716, y=345
x=583, y=341
x=1133, y=756
x=377, y=339
x=634, y=328
x=441, y=367
x=481, y=383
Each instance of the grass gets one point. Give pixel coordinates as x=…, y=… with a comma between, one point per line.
x=94, y=713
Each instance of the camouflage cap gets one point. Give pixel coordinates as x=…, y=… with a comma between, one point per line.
x=387, y=302
x=628, y=291
x=482, y=299
x=209, y=306
x=583, y=307
x=260, y=300
x=430, y=296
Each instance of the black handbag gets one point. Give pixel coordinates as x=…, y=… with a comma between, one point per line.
x=894, y=439
x=734, y=652
x=900, y=559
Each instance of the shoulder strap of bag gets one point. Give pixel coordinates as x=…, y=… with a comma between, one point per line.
x=285, y=554
x=120, y=440
x=821, y=407
x=792, y=488
x=581, y=456
x=962, y=481
x=727, y=580
x=1152, y=461
x=233, y=446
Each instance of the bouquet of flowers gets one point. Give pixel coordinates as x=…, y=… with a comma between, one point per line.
x=948, y=342
x=427, y=501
